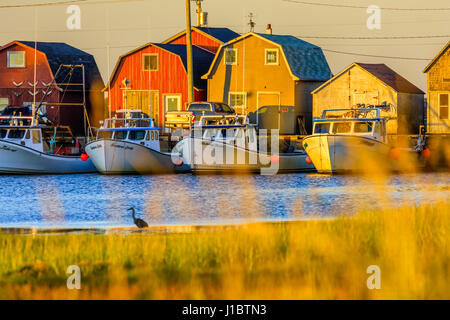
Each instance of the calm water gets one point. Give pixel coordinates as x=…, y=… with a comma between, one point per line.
x=100, y=201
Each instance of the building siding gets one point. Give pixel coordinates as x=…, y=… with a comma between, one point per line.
x=170, y=78
x=437, y=84
x=8, y=75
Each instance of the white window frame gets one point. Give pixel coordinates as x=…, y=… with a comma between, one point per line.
x=175, y=95
x=266, y=51
x=150, y=55
x=234, y=63
x=244, y=106
x=16, y=66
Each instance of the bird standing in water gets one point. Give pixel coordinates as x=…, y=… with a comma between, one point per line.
x=138, y=222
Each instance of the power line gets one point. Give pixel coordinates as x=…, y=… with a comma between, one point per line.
x=374, y=38
x=93, y=30
x=59, y=3
x=326, y=50
x=376, y=56
x=381, y=44
x=362, y=7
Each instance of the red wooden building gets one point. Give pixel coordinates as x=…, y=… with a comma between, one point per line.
x=18, y=85
x=208, y=38
x=153, y=77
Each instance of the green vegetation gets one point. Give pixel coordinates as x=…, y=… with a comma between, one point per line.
x=316, y=259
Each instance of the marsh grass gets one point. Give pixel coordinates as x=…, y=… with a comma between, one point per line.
x=315, y=259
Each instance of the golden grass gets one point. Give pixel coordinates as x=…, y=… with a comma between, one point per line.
x=316, y=259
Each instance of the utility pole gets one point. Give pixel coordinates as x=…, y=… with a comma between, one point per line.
x=189, y=53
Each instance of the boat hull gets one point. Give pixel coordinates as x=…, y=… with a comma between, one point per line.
x=222, y=158
x=123, y=157
x=354, y=154
x=17, y=159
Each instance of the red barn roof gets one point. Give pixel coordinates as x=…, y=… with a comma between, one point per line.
x=220, y=35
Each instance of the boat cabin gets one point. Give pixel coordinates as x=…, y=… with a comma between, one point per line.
x=135, y=130
x=227, y=129
x=50, y=140
x=352, y=122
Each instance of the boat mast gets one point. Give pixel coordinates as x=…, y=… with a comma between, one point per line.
x=33, y=107
x=108, y=60
x=189, y=53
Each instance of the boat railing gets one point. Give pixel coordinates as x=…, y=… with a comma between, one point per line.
x=208, y=120
x=128, y=123
x=354, y=113
x=17, y=121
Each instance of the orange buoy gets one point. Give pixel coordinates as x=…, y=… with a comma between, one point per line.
x=179, y=162
x=426, y=153
x=84, y=157
x=274, y=158
x=394, y=153
x=308, y=160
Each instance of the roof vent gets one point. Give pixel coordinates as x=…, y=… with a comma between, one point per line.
x=269, y=29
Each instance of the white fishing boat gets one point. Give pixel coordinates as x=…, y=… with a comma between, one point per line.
x=228, y=144
x=28, y=146
x=355, y=140
x=131, y=145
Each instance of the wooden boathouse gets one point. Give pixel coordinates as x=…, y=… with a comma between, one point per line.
x=256, y=70
x=20, y=86
x=153, y=79
x=438, y=92
x=364, y=84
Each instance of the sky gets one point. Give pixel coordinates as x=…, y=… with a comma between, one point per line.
x=132, y=23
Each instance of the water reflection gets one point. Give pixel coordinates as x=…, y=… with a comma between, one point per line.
x=98, y=201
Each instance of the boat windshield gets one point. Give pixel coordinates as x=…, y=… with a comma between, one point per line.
x=322, y=127
x=16, y=134
x=209, y=133
x=120, y=135
x=3, y=133
x=137, y=135
x=104, y=134
x=342, y=127
x=363, y=127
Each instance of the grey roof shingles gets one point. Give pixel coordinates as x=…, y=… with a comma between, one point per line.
x=306, y=60
x=201, y=60
x=222, y=34
x=390, y=78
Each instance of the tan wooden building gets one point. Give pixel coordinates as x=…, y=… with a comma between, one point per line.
x=256, y=70
x=438, y=92
x=363, y=84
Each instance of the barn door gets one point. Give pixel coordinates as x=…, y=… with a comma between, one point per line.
x=136, y=100
x=268, y=99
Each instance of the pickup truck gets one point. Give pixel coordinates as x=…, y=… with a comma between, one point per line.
x=185, y=119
